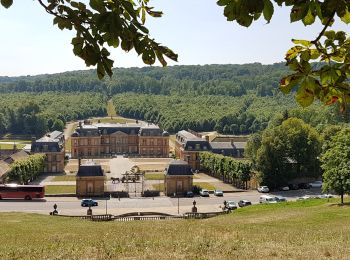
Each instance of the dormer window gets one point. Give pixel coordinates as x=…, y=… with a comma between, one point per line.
x=198, y=146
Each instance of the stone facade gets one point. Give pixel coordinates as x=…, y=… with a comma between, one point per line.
x=52, y=145
x=178, y=178
x=98, y=140
x=188, y=146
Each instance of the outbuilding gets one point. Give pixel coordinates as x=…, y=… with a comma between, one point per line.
x=90, y=180
x=178, y=178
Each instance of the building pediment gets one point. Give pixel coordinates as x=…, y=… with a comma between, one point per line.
x=119, y=133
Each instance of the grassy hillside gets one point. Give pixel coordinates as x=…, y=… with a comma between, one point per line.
x=302, y=230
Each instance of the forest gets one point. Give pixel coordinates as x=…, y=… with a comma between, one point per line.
x=231, y=99
x=37, y=113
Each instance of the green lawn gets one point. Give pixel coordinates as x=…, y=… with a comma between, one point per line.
x=111, y=109
x=205, y=185
x=16, y=140
x=10, y=146
x=154, y=176
x=159, y=186
x=59, y=189
x=299, y=230
x=64, y=178
x=68, y=145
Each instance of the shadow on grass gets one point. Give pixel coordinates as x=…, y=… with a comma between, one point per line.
x=345, y=204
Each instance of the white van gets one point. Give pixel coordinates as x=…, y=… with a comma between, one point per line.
x=267, y=199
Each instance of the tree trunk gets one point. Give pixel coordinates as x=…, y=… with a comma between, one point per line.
x=342, y=198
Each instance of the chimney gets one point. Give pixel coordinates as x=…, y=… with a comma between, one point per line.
x=80, y=124
x=79, y=162
x=207, y=138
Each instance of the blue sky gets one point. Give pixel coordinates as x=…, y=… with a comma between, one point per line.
x=195, y=29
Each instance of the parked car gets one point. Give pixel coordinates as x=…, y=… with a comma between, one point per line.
x=267, y=199
x=263, y=189
x=244, y=203
x=315, y=184
x=304, y=186
x=325, y=196
x=88, y=203
x=280, y=199
x=204, y=193
x=293, y=186
x=305, y=197
x=218, y=193
x=284, y=188
x=189, y=194
x=231, y=205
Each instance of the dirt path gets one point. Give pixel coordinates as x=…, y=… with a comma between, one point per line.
x=70, y=126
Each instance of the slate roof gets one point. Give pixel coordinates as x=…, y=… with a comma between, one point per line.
x=240, y=145
x=150, y=130
x=16, y=156
x=42, y=146
x=197, y=145
x=221, y=145
x=90, y=170
x=4, y=168
x=179, y=167
x=187, y=135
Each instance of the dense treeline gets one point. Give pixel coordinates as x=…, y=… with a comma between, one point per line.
x=229, y=115
x=35, y=114
x=231, y=99
x=230, y=170
x=26, y=170
x=229, y=80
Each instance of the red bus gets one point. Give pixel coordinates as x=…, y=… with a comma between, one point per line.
x=28, y=192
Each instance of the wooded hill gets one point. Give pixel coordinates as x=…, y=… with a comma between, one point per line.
x=231, y=99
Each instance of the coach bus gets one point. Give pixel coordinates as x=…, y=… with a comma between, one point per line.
x=27, y=192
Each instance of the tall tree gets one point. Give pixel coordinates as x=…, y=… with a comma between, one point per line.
x=336, y=164
x=287, y=152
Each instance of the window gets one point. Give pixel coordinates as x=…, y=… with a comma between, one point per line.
x=198, y=146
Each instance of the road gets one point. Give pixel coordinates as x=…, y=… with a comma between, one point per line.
x=71, y=205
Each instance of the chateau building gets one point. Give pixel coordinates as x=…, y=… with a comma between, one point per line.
x=188, y=146
x=96, y=140
x=52, y=145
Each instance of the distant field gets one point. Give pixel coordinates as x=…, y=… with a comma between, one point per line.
x=59, y=189
x=64, y=178
x=311, y=229
x=10, y=146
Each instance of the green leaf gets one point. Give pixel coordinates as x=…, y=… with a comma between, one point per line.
x=6, y=3
x=305, y=94
x=302, y=42
x=289, y=82
x=298, y=12
x=346, y=17
x=309, y=18
x=98, y=6
x=100, y=70
x=268, y=10
x=293, y=52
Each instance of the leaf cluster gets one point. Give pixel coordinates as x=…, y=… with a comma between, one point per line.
x=26, y=170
